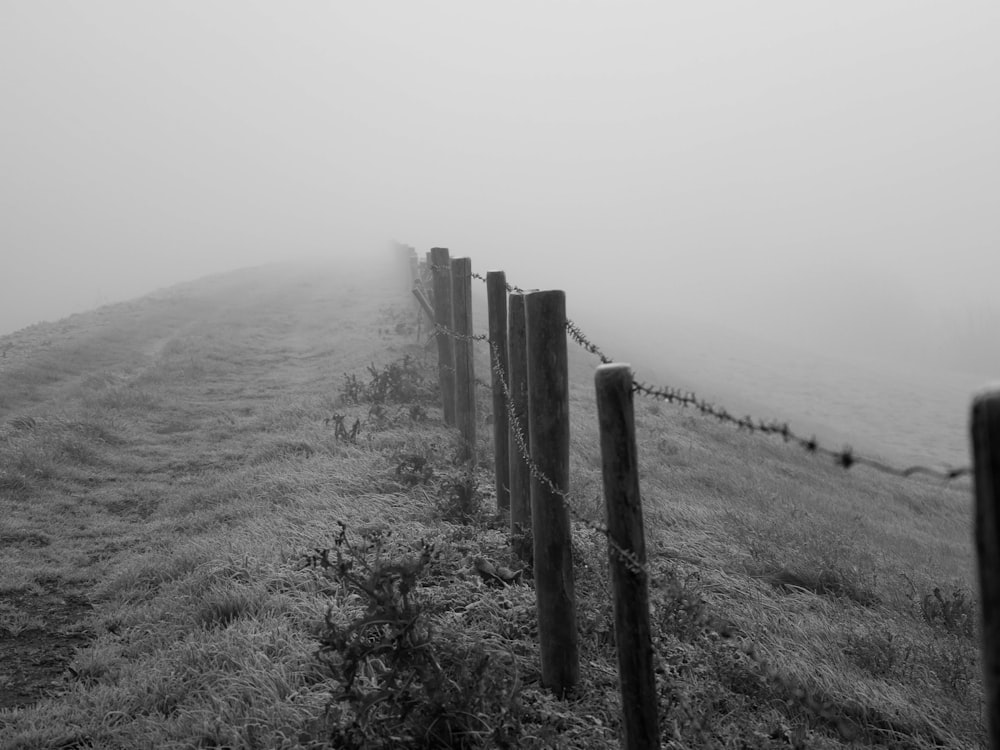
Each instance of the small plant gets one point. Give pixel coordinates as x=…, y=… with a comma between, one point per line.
x=414, y=469
x=398, y=685
x=678, y=609
x=340, y=431
x=353, y=391
x=379, y=417
x=460, y=500
x=396, y=382
x=955, y=615
x=954, y=663
x=878, y=653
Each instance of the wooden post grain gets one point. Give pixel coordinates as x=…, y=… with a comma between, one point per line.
x=465, y=376
x=520, y=476
x=630, y=587
x=496, y=297
x=986, y=459
x=446, y=345
x=548, y=428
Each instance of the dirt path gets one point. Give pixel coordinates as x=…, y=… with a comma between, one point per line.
x=33, y=660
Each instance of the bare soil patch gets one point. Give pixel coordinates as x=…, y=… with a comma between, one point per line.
x=34, y=660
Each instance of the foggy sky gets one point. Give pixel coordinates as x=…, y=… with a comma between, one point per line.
x=826, y=172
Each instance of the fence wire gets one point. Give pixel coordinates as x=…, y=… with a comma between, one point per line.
x=845, y=458
x=629, y=557
x=667, y=580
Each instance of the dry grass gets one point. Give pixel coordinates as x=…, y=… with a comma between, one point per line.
x=171, y=467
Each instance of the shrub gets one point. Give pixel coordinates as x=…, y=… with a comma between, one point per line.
x=397, y=382
x=398, y=685
x=459, y=500
x=955, y=615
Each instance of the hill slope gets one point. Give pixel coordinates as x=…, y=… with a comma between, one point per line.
x=173, y=472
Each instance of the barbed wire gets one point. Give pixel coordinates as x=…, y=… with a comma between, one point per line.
x=629, y=557
x=701, y=614
x=845, y=458
x=510, y=287
x=701, y=611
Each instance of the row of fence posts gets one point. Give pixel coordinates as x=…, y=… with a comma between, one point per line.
x=527, y=333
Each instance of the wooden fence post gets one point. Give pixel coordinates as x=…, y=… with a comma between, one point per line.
x=496, y=296
x=520, y=475
x=548, y=427
x=465, y=376
x=442, y=317
x=986, y=459
x=629, y=583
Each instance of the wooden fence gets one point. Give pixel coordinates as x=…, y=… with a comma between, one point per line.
x=528, y=342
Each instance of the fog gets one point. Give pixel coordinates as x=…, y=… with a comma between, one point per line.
x=817, y=174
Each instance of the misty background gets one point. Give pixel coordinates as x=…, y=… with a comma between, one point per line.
x=823, y=177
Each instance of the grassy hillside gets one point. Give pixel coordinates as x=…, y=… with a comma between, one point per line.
x=219, y=502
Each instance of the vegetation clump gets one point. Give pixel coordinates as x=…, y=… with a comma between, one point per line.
x=399, y=682
x=397, y=382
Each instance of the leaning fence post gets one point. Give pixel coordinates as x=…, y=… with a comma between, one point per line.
x=519, y=439
x=986, y=459
x=441, y=267
x=465, y=376
x=548, y=427
x=496, y=296
x=627, y=556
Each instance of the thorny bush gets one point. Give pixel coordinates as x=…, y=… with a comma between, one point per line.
x=397, y=382
x=397, y=684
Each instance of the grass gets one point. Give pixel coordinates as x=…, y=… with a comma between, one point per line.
x=175, y=492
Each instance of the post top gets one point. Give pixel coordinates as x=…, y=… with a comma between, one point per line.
x=987, y=398
x=615, y=375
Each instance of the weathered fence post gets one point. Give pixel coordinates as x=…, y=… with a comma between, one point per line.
x=442, y=317
x=465, y=376
x=986, y=458
x=630, y=587
x=520, y=475
x=496, y=296
x=548, y=427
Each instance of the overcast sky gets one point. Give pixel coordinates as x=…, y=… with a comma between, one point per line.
x=818, y=169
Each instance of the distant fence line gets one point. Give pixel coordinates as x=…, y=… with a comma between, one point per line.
x=535, y=344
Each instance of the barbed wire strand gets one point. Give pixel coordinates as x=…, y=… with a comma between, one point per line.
x=629, y=557
x=844, y=458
